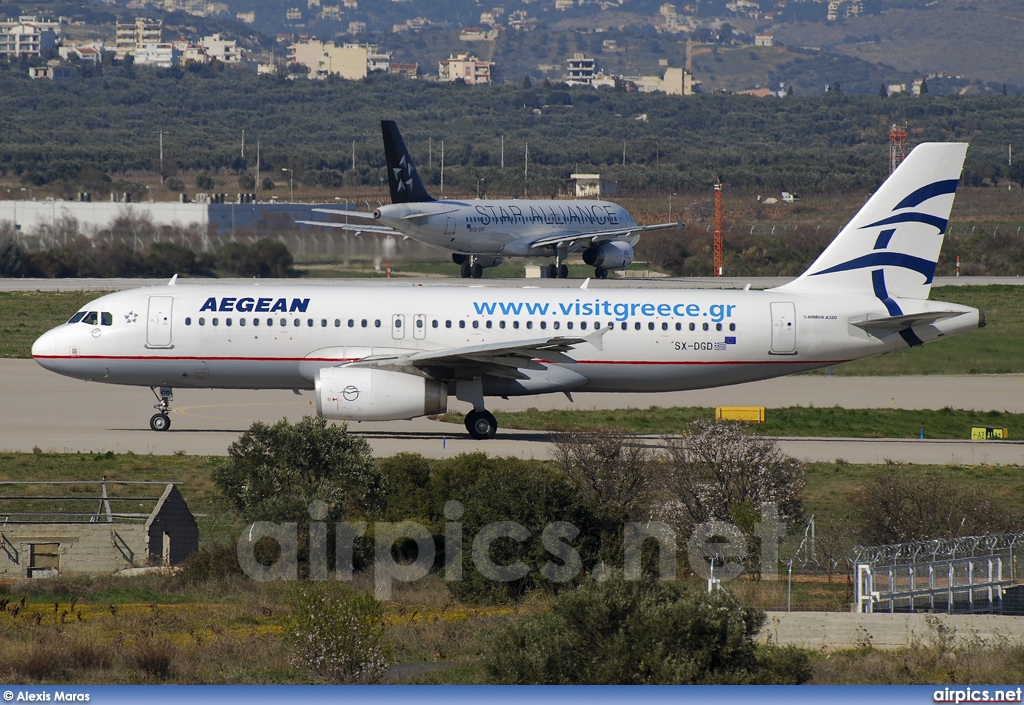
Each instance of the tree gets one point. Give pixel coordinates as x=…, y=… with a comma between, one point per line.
x=274, y=472
x=924, y=86
x=882, y=91
x=641, y=632
x=10, y=258
x=204, y=181
x=718, y=471
x=608, y=467
x=895, y=506
x=247, y=181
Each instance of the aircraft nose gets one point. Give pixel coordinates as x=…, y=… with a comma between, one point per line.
x=44, y=349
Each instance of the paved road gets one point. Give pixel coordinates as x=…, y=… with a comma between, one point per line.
x=41, y=409
x=656, y=282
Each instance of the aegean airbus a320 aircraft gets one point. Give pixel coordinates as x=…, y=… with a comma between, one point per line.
x=399, y=351
x=481, y=233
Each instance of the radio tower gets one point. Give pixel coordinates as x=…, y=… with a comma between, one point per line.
x=718, y=229
x=897, y=145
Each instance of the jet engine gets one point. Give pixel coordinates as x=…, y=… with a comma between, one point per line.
x=614, y=254
x=364, y=394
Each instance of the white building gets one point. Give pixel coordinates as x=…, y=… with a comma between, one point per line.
x=581, y=70
x=223, y=50
x=130, y=36
x=466, y=68
x=350, y=61
x=24, y=39
x=162, y=55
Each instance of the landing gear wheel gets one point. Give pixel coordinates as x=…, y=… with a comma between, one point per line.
x=601, y=273
x=552, y=271
x=563, y=271
x=481, y=424
x=478, y=271
x=160, y=422
x=467, y=270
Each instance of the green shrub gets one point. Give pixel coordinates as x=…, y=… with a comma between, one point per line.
x=621, y=632
x=339, y=633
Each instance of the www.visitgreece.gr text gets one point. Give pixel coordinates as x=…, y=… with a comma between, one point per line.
x=716, y=313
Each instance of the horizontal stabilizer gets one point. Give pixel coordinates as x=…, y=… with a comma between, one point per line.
x=900, y=322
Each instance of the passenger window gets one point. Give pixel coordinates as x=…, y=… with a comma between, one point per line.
x=544, y=325
x=569, y=325
x=732, y=326
x=297, y=323
x=284, y=322
x=241, y=321
x=270, y=322
x=583, y=326
x=337, y=323
x=434, y=323
x=718, y=326
x=705, y=326
x=255, y=321
x=679, y=326
x=351, y=323
x=376, y=323
x=650, y=326
x=490, y=324
x=419, y=322
x=637, y=325
x=90, y=318
x=202, y=321
x=529, y=324
x=214, y=321
x=692, y=327
x=515, y=324
x=623, y=326
x=364, y=323
x=106, y=318
x=323, y=322
x=227, y=321
x=447, y=324
x=555, y=325
x=664, y=326
x=77, y=317
x=188, y=321
x=309, y=322
x=501, y=324
x=398, y=323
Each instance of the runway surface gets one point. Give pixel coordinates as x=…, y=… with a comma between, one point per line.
x=54, y=413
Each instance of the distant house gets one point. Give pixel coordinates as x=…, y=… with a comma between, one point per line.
x=53, y=73
x=764, y=40
x=468, y=69
x=25, y=39
x=350, y=61
x=406, y=70
x=478, y=34
x=593, y=186
x=223, y=50
x=162, y=55
x=246, y=17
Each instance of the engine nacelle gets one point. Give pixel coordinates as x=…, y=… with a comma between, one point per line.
x=487, y=261
x=364, y=394
x=614, y=254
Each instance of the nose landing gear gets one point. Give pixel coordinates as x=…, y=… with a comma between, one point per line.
x=160, y=420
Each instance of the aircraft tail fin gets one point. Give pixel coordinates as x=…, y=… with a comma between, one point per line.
x=891, y=247
x=403, y=179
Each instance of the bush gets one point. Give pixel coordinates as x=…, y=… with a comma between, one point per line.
x=247, y=182
x=204, y=181
x=208, y=564
x=630, y=633
x=339, y=633
x=274, y=472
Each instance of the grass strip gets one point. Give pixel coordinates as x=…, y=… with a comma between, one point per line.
x=798, y=421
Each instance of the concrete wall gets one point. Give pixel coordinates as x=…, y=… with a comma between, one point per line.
x=84, y=548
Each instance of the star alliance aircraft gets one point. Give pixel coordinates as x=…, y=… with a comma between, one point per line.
x=482, y=232
x=398, y=352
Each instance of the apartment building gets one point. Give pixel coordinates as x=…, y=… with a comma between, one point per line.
x=468, y=69
x=131, y=36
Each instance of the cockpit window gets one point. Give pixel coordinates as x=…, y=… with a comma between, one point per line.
x=77, y=317
x=106, y=318
x=90, y=318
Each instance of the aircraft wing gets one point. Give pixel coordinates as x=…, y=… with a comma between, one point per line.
x=339, y=211
x=894, y=323
x=378, y=229
x=594, y=237
x=495, y=359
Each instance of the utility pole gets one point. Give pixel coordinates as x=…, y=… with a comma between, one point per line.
x=353, y=155
x=442, y=166
x=718, y=229
x=430, y=152
x=526, y=172
x=161, y=133
x=503, y=152
x=257, y=167
x=243, y=143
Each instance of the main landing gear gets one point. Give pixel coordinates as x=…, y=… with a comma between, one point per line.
x=600, y=273
x=472, y=268
x=160, y=420
x=558, y=271
x=481, y=424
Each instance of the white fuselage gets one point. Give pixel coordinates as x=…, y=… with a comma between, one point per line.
x=503, y=227
x=277, y=335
